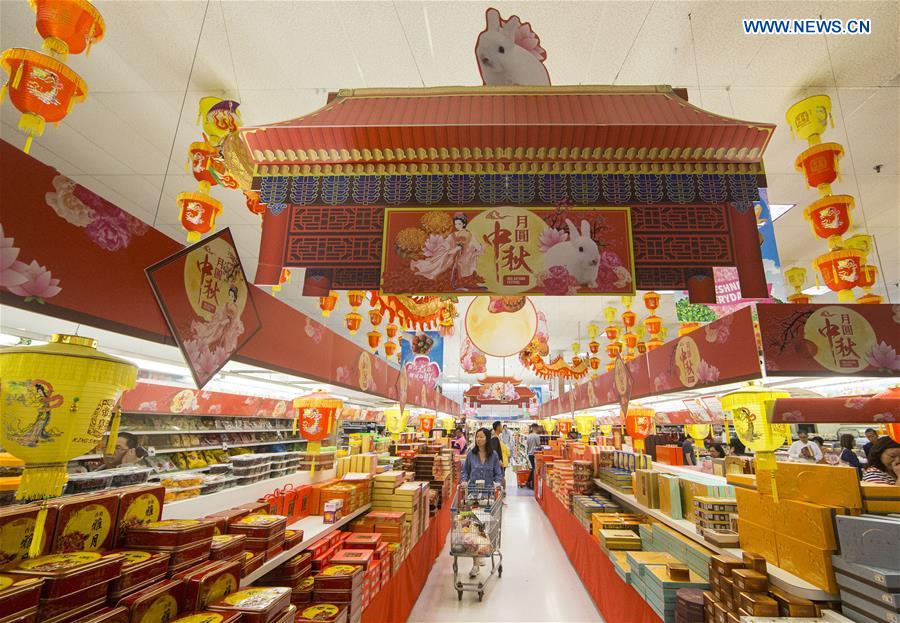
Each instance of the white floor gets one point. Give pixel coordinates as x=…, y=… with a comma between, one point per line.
x=538, y=583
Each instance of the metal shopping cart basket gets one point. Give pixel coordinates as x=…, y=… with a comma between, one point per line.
x=476, y=517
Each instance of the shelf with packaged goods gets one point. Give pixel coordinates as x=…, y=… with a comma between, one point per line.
x=683, y=470
x=236, y=444
x=203, y=505
x=205, y=415
x=777, y=576
x=204, y=431
x=314, y=528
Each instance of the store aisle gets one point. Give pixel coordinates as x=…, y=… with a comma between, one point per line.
x=538, y=583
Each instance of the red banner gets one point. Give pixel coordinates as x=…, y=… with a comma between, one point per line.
x=847, y=340
x=855, y=409
x=202, y=291
x=61, y=280
x=508, y=250
x=153, y=398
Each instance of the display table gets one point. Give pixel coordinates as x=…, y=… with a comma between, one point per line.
x=394, y=602
x=617, y=601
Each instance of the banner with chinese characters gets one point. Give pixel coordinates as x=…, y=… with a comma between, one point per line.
x=508, y=250
x=154, y=398
x=846, y=340
x=422, y=353
x=203, y=294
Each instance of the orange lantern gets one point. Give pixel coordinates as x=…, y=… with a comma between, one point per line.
x=67, y=26
x=612, y=332
x=654, y=343
x=651, y=301
x=198, y=214
x=595, y=363
x=564, y=426
x=200, y=155
x=641, y=347
x=841, y=270
x=391, y=330
x=867, y=276
x=576, y=361
x=316, y=414
x=613, y=350
x=628, y=357
x=639, y=425
x=631, y=339
x=610, y=366
x=830, y=217
x=353, y=321
x=426, y=423
x=284, y=278
x=653, y=324
x=375, y=317
x=374, y=338
x=893, y=431
x=327, y=303
x=41, y=88
x=628, y=318
x=355, y=297
x=594, y=347
x=819, y=163
x=390, y=348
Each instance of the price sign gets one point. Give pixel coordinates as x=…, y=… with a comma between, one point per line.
x=151, y=451
x=225, y=445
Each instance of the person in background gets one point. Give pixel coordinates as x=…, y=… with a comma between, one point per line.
x=821, y=443
x=501, y=449
x=687, y=450
x=482, y=464
x=805, y=450
x=127, y=452
x=737, y=447
x=872, y=436
x=532, y=443
x=884, y=462
x=716, y=451
x=848, y=452
x=459, y=442
x=506, y=436
x=573, y=435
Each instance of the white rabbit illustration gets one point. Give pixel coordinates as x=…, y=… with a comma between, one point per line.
x=509, y=53
x=579, y=255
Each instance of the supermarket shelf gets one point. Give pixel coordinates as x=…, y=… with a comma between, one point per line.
x=230, y=445
x=195, y=470
x=682, y=470
x=205, y=415
x=203, y=431
x=203, y=505
x=314, y=529
x=87, y=457
x=779, y=577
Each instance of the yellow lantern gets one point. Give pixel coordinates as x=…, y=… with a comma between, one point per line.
x=697, y=432
x=547, y=424
x=593, y=331
x=605, y=429
x=395, y=420
x=448, y=423
x=748, y=407
x=58, y=400
x=585, y=424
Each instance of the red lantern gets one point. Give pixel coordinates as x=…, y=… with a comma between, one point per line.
x=653, y=324
x=41, y=88
x=613, y=350
x=820, y=163
x=374, y=338
x=200, y=155
x=356, y=298
x=651, y=301
x=316, y=414
x=576, y=361
x=595, y=363
x=830, y=217
x=198, y=214
x=641, y=347
x=284, y=278
x=391, y=330
x=654, y=343
x=612, y=332
x=327, y=303
x=594, y=347
x=639, y=425
x=867, y=276
x=352, y=321
x=375, y=317
x=564, y=426
x=390, y=348
x=628, y=318
x=67, y=26
x=631, y=339
x=841, y=270
x=426, y=423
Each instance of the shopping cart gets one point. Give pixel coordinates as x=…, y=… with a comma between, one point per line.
x=476, y=517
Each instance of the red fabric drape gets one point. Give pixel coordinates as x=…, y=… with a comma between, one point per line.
x=617, y=601
x=394, y=602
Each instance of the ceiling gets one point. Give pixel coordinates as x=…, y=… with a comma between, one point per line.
x=128, y=141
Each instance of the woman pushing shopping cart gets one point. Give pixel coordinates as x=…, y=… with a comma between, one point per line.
x=476, y=516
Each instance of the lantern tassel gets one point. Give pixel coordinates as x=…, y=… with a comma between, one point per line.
x=37, y=538
x=113, y=432
x=43, y=480
x=313, y=448
x=294, y=424
x=28, y=140
x=3, y=91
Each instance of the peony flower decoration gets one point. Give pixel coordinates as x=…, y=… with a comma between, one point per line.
x=607, y=275
x=719, y=331
x=66, y=205
x=793, y=416
x=551, y=237
x=557, y=281
x=855, y=402
x=895, y=311
x=39, y=284
x=9, y=276
x=623, y=276
x=707, y=373
x=884, y=357
x=313, y=330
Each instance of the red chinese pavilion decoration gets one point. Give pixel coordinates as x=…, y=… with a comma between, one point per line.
x=689, y=177
x=499, y=390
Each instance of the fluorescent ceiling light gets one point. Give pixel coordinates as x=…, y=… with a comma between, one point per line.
x=777, y=210
x=816, y=290
x=158, y=366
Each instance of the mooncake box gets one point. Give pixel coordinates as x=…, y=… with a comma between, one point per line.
x=139, y=567
x=252, y=562
x=339, y=577
x=156, y=604
x=225, y=546
x=178, y=556
x=361, y=557
x=86, y=522
x=107, y=615
x=288, y=615
x=207, y=616
x=18, y=594
x=77, y=614
x=60, y=606
x=211, y=582
x=322, y=613
x=17, y=527
x=170, y=533
x=303, y=594
x=137, y=506
x=292, y=538
x=68, y=573
x=870, y=540
x=867, y=573
x=260, y=526
x=257, y=604
x=223, y=518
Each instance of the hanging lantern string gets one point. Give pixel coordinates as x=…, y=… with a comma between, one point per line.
x=187, y=88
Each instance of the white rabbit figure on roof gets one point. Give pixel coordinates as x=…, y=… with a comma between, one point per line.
x=510, y=53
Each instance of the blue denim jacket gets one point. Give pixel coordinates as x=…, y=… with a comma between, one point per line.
x=489, y=471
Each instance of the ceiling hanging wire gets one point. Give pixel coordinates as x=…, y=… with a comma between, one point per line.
x=694, y=52
x=187, y=88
